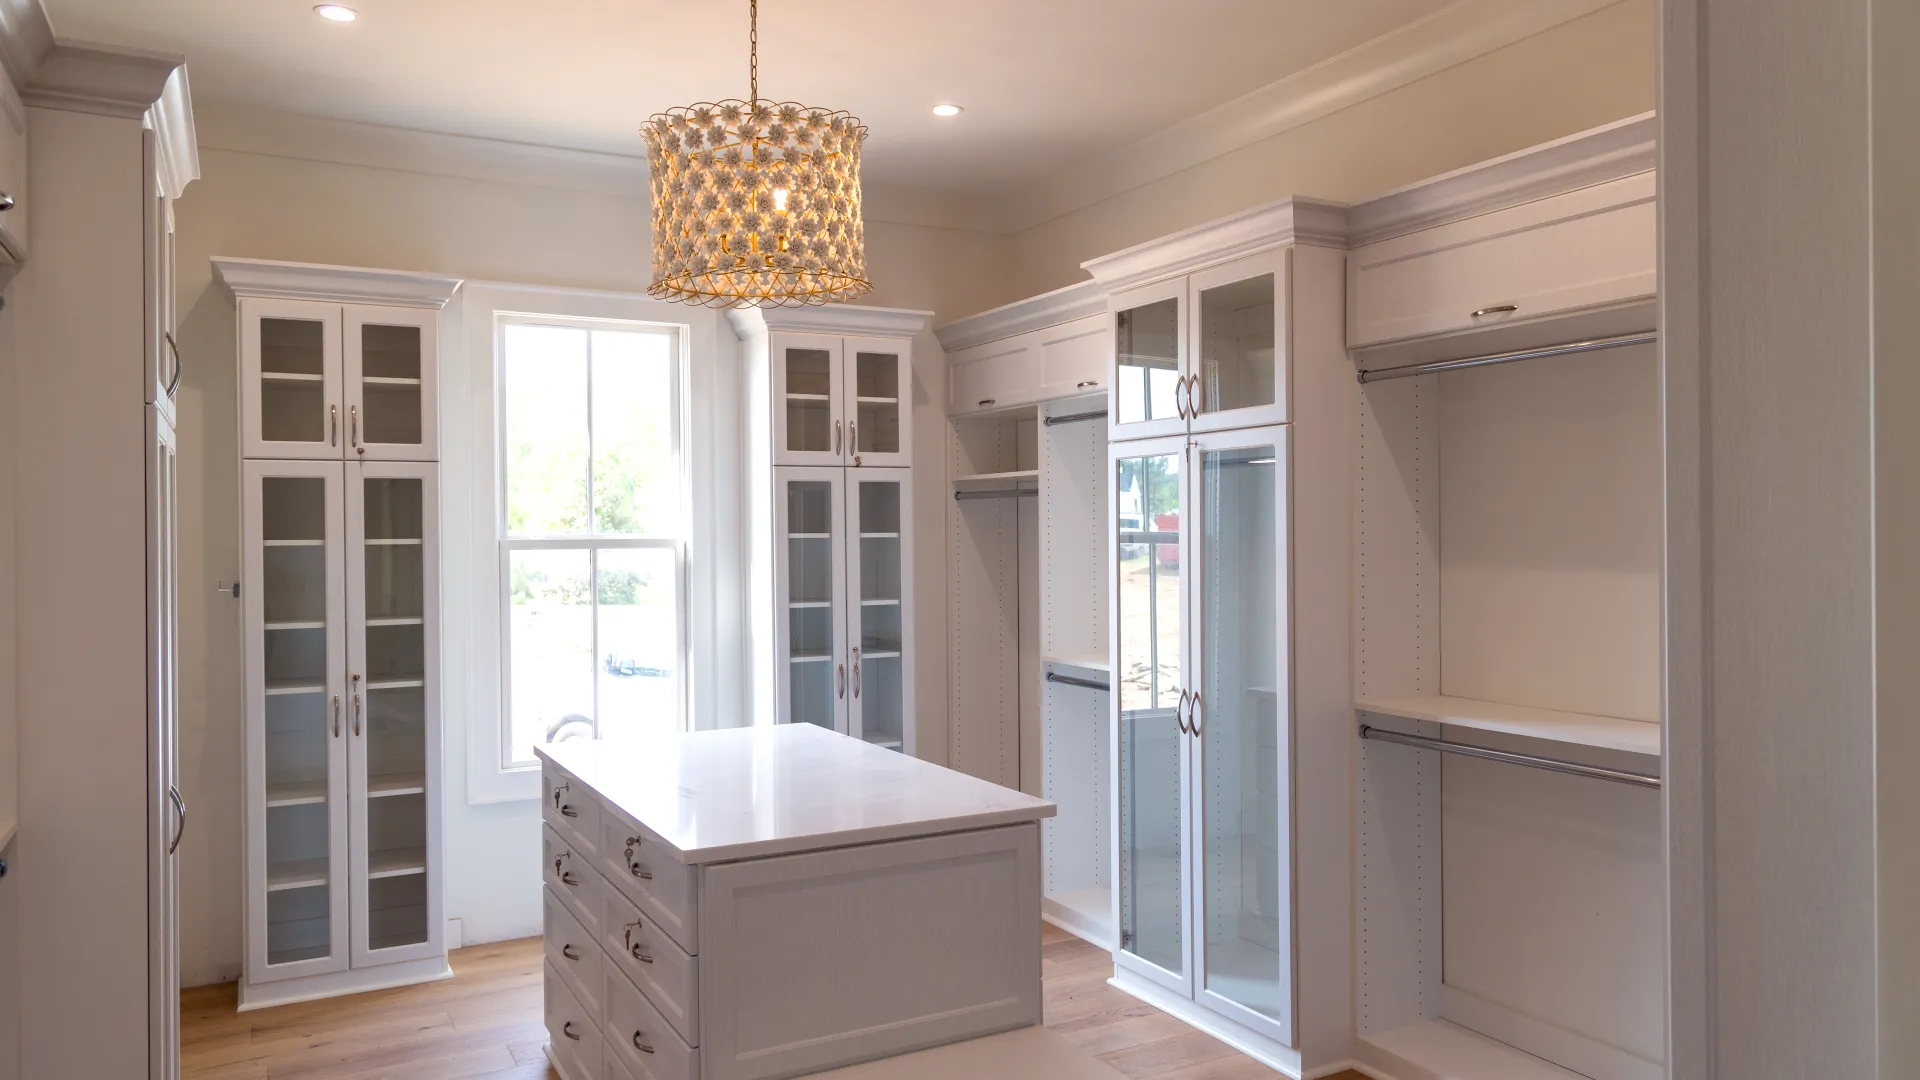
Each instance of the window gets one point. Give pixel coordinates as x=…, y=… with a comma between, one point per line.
x=592, y=531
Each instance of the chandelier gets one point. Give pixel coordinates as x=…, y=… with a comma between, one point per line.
x=756, y=202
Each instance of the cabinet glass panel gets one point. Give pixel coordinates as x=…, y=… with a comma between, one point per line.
x=390, y=385
x=880, y=681
x=638, y=635
x=299, y=715
x=809, y=403
x=293, y=390
x=1147, y=502
x=1239, y=720
x=813, y=684
x=1147, y=340
x=1236, y=345
x=877, y=389
x=396, y=732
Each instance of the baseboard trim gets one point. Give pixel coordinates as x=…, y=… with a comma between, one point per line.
x=1067, y=919
x=341, y=983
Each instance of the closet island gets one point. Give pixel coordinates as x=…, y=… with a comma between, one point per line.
x=767, y=902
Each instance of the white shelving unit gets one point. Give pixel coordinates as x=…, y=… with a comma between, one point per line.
x=341, y=597
x=1630, y=736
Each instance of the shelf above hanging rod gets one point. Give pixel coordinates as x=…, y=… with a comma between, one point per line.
x=1075, y=418
x=1572, y=348
x=1008, y=493
x=1069, y=680
x=1572, y=768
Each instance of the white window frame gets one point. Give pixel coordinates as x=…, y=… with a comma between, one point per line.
x=714, y=549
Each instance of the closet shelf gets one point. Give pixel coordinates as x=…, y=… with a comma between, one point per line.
x=885, y=742
x=301, y=874
x=1447, y=1050
x=1608, y=732
x=298, y=624
x=396, y=862
x=809, y=397
x=996, y=480
x=809, y=603
x=277, y=687
x=373, y=541
x=878, y=400
x=288, y=377
x=394, y=684
x=293, y=543
x=879, y=603
x=380, y=787
x=303, y=793
x=414, y=621
x=881, y=655
x=378, y=380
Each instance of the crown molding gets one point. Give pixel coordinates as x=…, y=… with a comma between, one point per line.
x=340, y=284
x=1453, y=35
x=1022, y=316
x=1289, y=221
x=103, y=79
x=850, y=319
x=1618, y=150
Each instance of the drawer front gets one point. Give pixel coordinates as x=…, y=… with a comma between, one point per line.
x=644, y=868
x=615, y=1067
x=574, y=953
x=993, y=376
x=1587, y=249
x=572, y=877
x=1074, y=357
x=573, y=1035
x=642, y=1037
x=667, y=975
x=570, y=808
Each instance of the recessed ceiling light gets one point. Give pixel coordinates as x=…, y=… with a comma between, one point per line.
x=947, y=110
x=336, y=12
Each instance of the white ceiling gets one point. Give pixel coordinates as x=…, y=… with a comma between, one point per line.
x=1046, y=83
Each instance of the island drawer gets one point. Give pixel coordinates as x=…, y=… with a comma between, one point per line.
x=570, y=1031
x=642, y=1037
x=574, y=953
x=616, y=1065
x=647, y=870
x=573, y=878
x=663, y=971
x=570, y=807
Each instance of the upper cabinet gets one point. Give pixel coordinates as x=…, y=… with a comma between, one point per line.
x=1200, y=334
x=842, y=400
x=1056, y=345
x=325, y=378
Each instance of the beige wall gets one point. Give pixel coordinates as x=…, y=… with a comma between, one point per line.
x=1580, y=75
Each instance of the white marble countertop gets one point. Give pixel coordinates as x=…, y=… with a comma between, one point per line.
x=747, y=793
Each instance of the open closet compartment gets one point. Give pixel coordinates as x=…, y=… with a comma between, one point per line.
x=1028, y=555
x=1507, y=541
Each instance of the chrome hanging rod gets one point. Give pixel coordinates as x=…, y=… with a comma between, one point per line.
x=1569, y=349
x=1572, y=768
x=1075, y=418
x=1010, y=493
x=1070, y=680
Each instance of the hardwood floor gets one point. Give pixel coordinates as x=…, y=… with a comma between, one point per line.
x=485, y=1024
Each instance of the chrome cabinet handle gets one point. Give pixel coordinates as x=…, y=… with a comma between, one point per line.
x=856, y=672
x=356, y=705
x=567, y=878
x=638, y=955
x=1497, y=309
x=1180, y=714
x=336, y=716
x=333, y=425
x=567, y=1030
x=1196, y=398
x=836, y=436
x=569, y=811
x=853, y=441
x=1084, y=383
x=567, y=951
x=984, y=402
x=1193, y=715
x=173, y=384
x=640, y=1045
x=1180, y=398
x=840, y=680
x=353, y=420
x=6, y=202
x=180, y=809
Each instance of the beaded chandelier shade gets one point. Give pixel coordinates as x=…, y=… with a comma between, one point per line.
x=756, y=202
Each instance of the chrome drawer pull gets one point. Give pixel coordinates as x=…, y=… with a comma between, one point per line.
x=1497, y=309
x=569, y=879
x=569, y=811
x=640, y=956
x=567, y=951
x=567, y=1030
x=641, y=1046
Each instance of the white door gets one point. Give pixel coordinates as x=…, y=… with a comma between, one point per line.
x=290, y=388
x=393, y=734
x=167, y=810
x=809, y=422
x=1238, y=343
x=878, y=384
x=389, y=364
x=1239, y=725
x=296, y=661
x=1150, y=697
x=879, y=607
x=812, y=658
x=1151, y=391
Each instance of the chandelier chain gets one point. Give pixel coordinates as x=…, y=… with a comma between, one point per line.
x=753, y=51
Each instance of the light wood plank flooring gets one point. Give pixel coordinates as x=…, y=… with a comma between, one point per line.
x=485, y=1024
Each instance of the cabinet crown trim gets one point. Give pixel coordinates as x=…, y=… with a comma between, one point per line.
x=1024, y=316
x=103, y=79
x=830, y=319
x=1597, y=156
x=341, y=284
x=1290, y=221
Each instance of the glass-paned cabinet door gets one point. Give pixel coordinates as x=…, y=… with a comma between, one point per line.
x=1151, y=680
x=879, y=607
x=1238, y=714
x=809, y=425
x=296, y=633
x=389, y=366
x=1150, y=391
x=1238, y=371
x=393, y=688
x=879, y=409
x=290, y=380
x=812, y=546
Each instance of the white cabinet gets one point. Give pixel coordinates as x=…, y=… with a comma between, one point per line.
x=1074, y=358
x=842, y=401
x=1588, y=249
x=844, y=579
x=328, y=381
x=1202, y=711
x=1067, y=360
